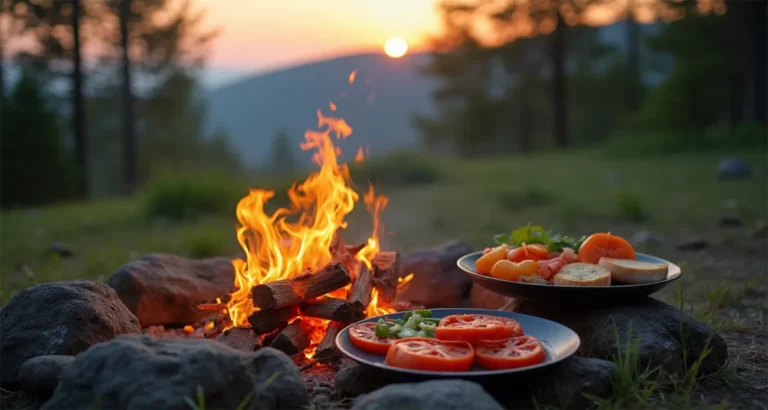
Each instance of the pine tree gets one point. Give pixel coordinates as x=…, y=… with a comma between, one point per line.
x=34, y=165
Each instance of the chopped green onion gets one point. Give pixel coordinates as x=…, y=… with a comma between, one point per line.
x=406, y=332
x=382, y=329
x=427, y=327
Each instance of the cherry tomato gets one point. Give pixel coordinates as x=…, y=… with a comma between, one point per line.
x=477, y=327
x=507, y=270
x=537, y=250
x=525, y=252
x=486, y=262
x=509, y=353
x=363, y=336
x=605, y=245
x=422, y=353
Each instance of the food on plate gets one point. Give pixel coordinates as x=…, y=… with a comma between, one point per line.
x=525, y=252
x=605, y=245
x=474, y=327
x=509, y=353
x=486, y=262
x=633, y=271
x=363, y=336
x=507, y=270
x=453, y=343
x=531, y=254
x=417, y=323
x=420, y=353
x=583, y=274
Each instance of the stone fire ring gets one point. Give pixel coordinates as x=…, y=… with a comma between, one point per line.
x=86, y=348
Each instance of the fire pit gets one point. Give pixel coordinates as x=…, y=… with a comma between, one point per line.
x=300, y=284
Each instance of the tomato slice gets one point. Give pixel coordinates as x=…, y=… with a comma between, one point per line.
x=509, y=353
x=472, y=328
x=605, y=245
x=422, y=353
x=363, y=336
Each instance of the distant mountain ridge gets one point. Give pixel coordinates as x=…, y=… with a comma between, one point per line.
x=378, y=105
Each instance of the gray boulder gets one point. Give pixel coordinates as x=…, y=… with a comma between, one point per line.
x=39, y=375
x=141, y=372
x=165, y=289
x=435, y=394
x=659, y=330
x=733, y=168
x=568, y=383
x=59, y=318
x=437, y=281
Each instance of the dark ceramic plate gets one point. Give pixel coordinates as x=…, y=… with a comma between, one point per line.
x=559, y=341
x=573, y=294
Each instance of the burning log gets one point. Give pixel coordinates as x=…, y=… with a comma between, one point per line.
x=291, y=340
x=385, y=273
x=331, y=309
x=360, y=294
x=211, y=306
x=288, y=292
x=267, y=320
x=354, y=249
x=240, y=338
x=326, y=350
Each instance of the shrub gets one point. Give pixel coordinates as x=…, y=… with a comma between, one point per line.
x=531, y=196
x=630, y=207
x=206, y=244
x=189, y=196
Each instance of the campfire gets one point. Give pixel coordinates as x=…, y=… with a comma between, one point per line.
x=300, y=284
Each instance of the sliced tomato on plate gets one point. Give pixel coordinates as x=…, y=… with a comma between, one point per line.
x=472, y=328
x=422, y=353
x=363, y=336
x=511, y=353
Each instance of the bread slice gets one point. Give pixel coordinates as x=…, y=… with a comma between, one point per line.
x=583, y=274
x=634, y=272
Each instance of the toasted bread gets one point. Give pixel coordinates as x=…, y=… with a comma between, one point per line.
x=634, y=272
x=583, y=274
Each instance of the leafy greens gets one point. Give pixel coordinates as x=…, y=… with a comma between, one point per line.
x=530, y=234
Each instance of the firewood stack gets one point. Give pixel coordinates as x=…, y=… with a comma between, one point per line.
x=280, y=302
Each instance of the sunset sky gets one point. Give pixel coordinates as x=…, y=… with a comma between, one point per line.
x=264, y=35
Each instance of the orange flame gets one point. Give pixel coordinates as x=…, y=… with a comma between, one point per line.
x=360, y=155
x=352, y=76
x=332, y=105
x=277, y=247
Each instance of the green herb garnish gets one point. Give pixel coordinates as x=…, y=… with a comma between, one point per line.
x=531, y=234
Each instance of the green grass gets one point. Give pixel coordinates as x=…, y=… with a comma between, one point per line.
x=431, y=200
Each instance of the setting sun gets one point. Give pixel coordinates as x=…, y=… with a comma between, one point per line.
x=395, y=47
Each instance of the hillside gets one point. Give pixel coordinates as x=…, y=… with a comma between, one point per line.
x=378, y=105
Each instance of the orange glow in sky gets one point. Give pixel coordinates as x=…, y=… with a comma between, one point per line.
x=268, y=34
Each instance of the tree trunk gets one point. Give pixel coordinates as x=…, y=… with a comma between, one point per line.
x=526, y=114
x=78, y=103
x=633, y=65
x=2, y=59
x=760, y=61
x=526, y=111
x=130, y=147
x=736, y=103
x=558, y=83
